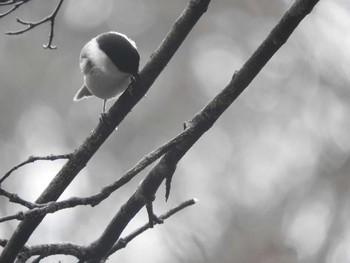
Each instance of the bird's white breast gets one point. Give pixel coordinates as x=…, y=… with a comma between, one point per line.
x=102, y=78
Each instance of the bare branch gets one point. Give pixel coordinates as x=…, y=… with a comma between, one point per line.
x=31, y=25
x=16, y=5
x=122, y=242
x=9, y=2
x=200, y=123
x=14, y=198
x=47, y=250
x=52, y=207
x=113, y=118
x=83, y=252
x=18, y=216
x=33, y=159
x=145, y=191
x=52, y=26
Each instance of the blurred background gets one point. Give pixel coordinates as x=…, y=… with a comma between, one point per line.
x=272, y=175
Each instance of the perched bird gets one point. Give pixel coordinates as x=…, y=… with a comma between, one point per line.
x=109, y=62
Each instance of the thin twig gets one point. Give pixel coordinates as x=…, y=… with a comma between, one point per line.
x=14, y=198
x=32, y=159
x=11, y=217
x=16, y=5
x=52, y=207
x=144, y=162
x=122, y=242
x=30, y=25
x=52, y=26
x=9, y=2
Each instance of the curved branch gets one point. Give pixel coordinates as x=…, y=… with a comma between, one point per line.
x=9, y=2
x=33, y=159
x=16, y=5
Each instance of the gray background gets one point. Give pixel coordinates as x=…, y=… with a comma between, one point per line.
x=272, y=175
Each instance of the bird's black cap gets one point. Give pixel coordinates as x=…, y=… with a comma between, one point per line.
x=120, y=51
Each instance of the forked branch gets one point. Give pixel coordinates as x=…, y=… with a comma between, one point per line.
x=82, y=252
x=31, y=25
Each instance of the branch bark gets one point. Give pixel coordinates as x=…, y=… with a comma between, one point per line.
x=81, y=252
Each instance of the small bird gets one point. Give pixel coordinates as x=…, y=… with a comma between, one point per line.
x=110, y=63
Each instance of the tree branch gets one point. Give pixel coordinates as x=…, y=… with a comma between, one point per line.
x=82, y=252
x=31, y=25
x=14, y=198
x=33, y=159
x=16, y=5
x=114, y=117
x=52, y=207
x=200, y=123
x=122, y=242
